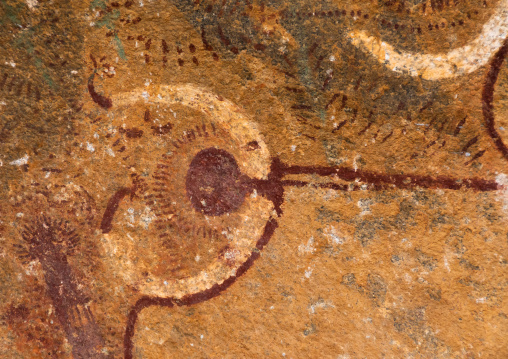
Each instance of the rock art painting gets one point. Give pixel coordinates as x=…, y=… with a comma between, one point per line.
x=253, y=178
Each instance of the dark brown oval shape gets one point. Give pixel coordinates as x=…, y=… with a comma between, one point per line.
x=213, y=183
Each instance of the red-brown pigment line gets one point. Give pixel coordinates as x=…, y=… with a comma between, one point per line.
x=309, y=137
x=318, y=62
x=273, y=189
x=459, y=126
x=470, y=143
x=206, y=44
x=339, y=126
x=287, y=73
x=293, y=89
x=430, y=125
x=426, y=106
x=327, y=80
x=167, y=206
x=3, y=81
x=62, y=288
x=397, y=180
x=358, y=82
x=53, y=170
x=312, y=48
x=301, y=107
x=163, y=173
x=488, y=98
x=355, y=113
x=443, y=124
x=258, y=46
x=222, y=37
x=285, y=57
x=221, y=12
x=192, y=299
x=400, y=107
x=165, y=48
x=365, y=128
x=111, y=208
x=430, y=144
x=414, y=155
x=376, y=134
x=95, y=66
x=344, y=101
x=334, y=97
x=102, y=101
x=475, y=157
x=304, y=120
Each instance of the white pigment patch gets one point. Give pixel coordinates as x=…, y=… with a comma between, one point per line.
x=307, y=248
x=333, y=236
x=20, y=161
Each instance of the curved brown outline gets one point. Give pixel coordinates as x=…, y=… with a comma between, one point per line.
x=488, y=98
x=146, y=301
x=273, y=189
x=99, y=99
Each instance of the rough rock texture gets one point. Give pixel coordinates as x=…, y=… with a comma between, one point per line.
x=245, y=179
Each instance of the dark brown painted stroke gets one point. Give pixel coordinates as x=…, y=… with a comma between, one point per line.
x=273, y=189
x=488, y=98
x=113, y=203
x=379, y=181
x=99, y=99
x=217, y=289
x=46, y=240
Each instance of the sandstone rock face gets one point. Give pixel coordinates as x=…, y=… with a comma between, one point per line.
x=245, y=179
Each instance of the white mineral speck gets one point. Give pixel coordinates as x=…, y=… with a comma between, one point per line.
x=307, y=248
x=308, y=272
